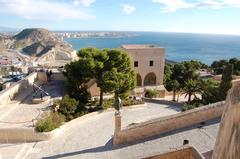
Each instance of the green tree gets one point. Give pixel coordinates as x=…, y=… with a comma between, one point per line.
x=99, y=58
x=177, y=75
x=167, y=74
x=218, y=66
x=68, y=106
x=102, y=66
x=226, y=82
x=121, y=78
x=192, y=88
x=210, y=91
x=174, y=86
x=78, y=74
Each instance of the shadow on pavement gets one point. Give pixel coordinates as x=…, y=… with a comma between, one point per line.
x=107, y=147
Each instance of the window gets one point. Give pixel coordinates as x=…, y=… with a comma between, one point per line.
x=135, y=63
x=151, y=63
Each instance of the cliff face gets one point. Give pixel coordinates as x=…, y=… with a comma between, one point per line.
x=38, y=43
x=228, y=142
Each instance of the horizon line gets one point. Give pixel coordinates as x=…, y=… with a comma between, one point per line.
x=146, y=31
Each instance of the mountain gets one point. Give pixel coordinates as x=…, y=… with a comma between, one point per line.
x=39, y=43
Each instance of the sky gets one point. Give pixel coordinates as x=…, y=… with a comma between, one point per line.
x=194, y=16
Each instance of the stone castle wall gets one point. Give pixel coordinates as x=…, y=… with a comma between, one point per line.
x=169, y=123
x=227, y=145
x=187, y=152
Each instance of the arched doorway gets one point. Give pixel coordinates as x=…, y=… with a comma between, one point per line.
x=150, y=79
x=139, y=80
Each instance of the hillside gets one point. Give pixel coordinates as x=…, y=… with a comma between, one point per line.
x=39, y=43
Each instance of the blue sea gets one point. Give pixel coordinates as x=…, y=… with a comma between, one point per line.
x=179, y=46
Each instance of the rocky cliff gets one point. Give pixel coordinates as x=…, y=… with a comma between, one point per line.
x=39, y=43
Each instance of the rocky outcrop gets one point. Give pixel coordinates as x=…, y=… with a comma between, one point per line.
x=38, y=43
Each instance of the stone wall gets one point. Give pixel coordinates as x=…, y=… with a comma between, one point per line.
x=17, y=89
x=11, y=135
x=228, y=141
x=187, y=152
x=169, y=123
x=56, y=76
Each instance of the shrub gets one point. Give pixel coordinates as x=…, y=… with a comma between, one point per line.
x=186, y=107
x=129, y=102
x=49, y=122
x=193, y=104
x=151, y=93
x=109, y=103
x=68, y=106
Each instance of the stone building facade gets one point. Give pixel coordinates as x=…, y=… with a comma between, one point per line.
x=149, y=62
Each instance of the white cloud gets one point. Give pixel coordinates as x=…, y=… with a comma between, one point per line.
x=43, y=10
x=86, y=3
x=128, y=9
x=174, y=5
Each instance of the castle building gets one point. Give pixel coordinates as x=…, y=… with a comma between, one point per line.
x=149, y=62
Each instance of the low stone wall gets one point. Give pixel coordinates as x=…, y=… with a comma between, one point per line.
x=186, y=152
x=158, y=101
x=169, y=123
x=17, y=89
x=41, y=76
x=56, y=76
x=12, y=135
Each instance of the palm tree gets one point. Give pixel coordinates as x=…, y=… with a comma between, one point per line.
x=175, y=86
x=192, y=88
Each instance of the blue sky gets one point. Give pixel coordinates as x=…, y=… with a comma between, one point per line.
x=205, y=16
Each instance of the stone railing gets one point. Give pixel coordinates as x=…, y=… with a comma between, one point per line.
x=165, y=124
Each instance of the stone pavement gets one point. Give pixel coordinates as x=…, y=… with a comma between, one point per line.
x=96, y=133
x=93, y=138
x=24, y=114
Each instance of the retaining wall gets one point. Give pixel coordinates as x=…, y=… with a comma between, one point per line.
x=185, y=152
x=158, y=101
x=169, y=123
x=17, y=89
x=9, y=135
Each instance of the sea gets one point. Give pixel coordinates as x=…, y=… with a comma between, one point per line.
x=179, y=46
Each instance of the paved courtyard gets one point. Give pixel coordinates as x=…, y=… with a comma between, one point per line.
x=24, y=113
x=92, y=138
